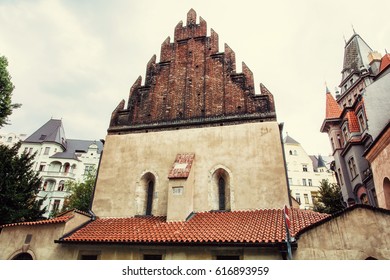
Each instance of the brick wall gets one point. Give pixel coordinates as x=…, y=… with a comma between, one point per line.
x=192, y=81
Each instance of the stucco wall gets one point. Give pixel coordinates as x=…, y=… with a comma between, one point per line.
x=41, y=246
x=252, y=153
x=355, y=235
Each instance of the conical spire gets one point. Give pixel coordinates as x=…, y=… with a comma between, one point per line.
x=333, y=110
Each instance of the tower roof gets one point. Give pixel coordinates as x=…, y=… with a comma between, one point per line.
x=356, y=52
x=52, y=131
x=290, y=140
x=333, y=110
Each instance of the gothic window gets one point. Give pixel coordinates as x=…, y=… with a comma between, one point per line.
x=149, y=198
x=290, y=153
x=221, y=193
x=221, y=196
x=341, y=177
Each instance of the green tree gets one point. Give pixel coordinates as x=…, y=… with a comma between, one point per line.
x=6, y=88
x=330, y=198
x=81, y=193
x=19, y=186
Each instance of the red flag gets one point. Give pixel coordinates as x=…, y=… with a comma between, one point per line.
x=287, y=217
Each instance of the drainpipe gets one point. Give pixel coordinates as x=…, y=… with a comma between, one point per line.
x=94, y=185
x=285, y=164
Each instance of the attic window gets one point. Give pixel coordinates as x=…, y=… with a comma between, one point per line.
x=43, y=137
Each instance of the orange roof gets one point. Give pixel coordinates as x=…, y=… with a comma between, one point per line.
x=252, y=226
x=182, y=166
x=353, y=123
x=384, y=62
x=333, y=110
x=56, y=220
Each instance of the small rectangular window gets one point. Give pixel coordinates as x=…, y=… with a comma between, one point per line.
x=47, y=150
x=304, y=167
x=304, y=182
x=310, y=182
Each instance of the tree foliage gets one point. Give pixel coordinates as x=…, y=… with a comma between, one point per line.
x=6, y=88
x=19, y=186
x=330, y=198
x=81, y=193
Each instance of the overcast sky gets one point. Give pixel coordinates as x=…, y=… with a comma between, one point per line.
x=77, y=59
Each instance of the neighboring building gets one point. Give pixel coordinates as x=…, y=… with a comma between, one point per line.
x=193, y=168
x=305, y=173
x=377, y=104
x=58, y=160
x=350, y=123
x=9, y=138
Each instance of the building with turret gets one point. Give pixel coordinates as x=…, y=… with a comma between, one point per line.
x=354, y=117
x=193, y=169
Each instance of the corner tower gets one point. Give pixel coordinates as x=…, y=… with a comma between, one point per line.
x=193, y=115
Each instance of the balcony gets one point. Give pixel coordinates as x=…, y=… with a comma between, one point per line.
x=57, y=174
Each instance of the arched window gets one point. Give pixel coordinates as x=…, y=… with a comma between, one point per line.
x=220, y=190
x=146, y=197
x=149, y=198
x=221, y=193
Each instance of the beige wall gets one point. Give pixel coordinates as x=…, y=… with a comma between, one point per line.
x=355, y=235
x=41, y=247
x=380, y=166
x=251, y=154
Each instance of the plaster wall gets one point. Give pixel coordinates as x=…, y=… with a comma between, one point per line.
x=355, y=235
x=250, y=153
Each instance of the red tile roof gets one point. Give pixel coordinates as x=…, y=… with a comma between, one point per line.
x=384, y=62
x=56, y=220
x=333, y=110
x=353, y=123
x=254, y=226
x=182, y=166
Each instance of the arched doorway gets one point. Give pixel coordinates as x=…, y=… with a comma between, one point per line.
x=23, y=256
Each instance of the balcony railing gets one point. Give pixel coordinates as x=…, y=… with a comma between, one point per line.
x=57, y=174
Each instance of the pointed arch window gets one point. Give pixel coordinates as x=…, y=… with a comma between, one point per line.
x=149, y=198
x=221, y=193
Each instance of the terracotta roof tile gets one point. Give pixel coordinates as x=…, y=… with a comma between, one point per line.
x=254, y=226
x=182, y=166
x=333, y=110
x=384, y=62
x=353, y=123
x=56, y=220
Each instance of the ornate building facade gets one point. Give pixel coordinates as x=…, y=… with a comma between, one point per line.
x=350, y=120
x=193, y=168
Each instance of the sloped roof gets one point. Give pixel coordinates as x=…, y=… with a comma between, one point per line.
x=52, y=131
x=355, y=55
x=74, y=146
x=384, y=62
x=333, y=110
x=353, y=124
x=252, y=226
x=182, y=166
x=290, y=140
x=56, y=220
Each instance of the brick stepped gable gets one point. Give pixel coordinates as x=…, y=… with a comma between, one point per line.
x=193, y=85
